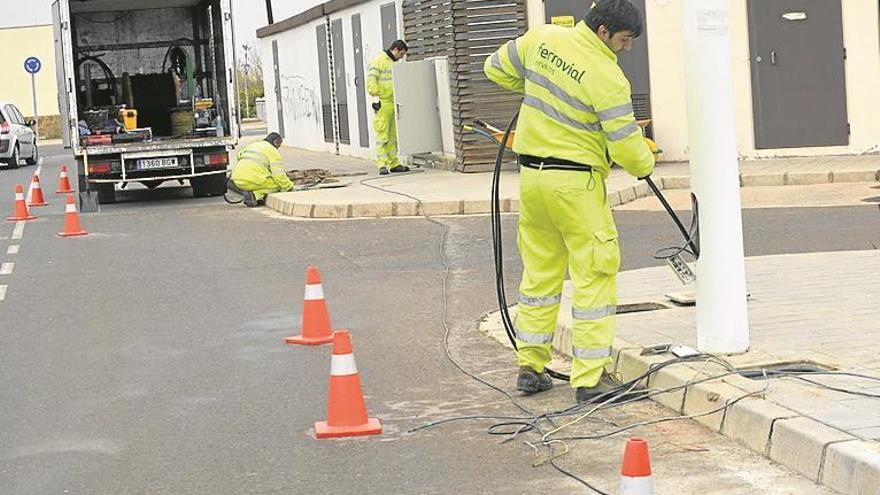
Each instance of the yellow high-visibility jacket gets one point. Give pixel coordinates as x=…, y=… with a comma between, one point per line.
x=577, y=102
x=379, y=83
x=260, y=170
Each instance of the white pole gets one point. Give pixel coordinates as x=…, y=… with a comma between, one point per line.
x=36, y=115
x=722, y=315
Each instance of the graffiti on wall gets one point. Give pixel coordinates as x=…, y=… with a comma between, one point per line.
x=301, y=101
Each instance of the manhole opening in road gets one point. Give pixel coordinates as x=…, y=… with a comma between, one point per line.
x=780, y=370
x=623, y=309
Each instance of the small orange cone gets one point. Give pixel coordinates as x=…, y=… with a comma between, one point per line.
x=21, y=209
x=346, y=411
x=315, y=319
x=64, y=183
x=71, y=219
x=36, y=193
x=635, y=475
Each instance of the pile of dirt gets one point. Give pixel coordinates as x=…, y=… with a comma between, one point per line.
x=311, y=177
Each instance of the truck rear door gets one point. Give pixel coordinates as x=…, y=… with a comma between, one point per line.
x=65, y=72
x=230, y=59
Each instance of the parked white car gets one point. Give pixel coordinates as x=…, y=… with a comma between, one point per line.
x=17, y=139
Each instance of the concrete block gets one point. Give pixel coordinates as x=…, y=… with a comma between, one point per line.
x=332, y=211
x=807, y=178
x=476, y=207
x=853, y=468
x=750, y=422
x=627, y=194
x=405, y=209
x=799, y=443
x=762, y=180
x=304, y=210
x=630, y=364
x=642, y=189
x=709, y=396
x=372, y=210
x=455, y=207
x=676, y=375
x=614, y=198
x=854, y=176
x=676, y=182
x=510, y=205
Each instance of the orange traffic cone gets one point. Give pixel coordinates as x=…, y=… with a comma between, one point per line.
x=64, y=183
x=71, y=219
x=21, y=209
x=36, y=193
x=635, y=475
x=346, y=411
x=315, y=320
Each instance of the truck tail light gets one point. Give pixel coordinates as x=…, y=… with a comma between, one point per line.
x=100, y=167
x=220, y=159
x=4, y=128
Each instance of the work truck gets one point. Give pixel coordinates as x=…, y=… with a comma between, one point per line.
x=147, y=93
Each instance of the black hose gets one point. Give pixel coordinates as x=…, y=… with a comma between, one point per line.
x=690, y=237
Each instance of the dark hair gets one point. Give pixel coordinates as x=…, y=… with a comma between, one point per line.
x=273, y=138
x=616, y=16
x=398, y=45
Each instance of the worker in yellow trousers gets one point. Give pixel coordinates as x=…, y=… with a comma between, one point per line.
x=259, y=170
x=381, y=87
x=576, y=118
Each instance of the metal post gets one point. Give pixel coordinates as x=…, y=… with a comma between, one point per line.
x=722, y=315
x=36, y=115
x=269, y=16
x=247, y=98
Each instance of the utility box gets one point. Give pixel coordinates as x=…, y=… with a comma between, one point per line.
x=423, y=109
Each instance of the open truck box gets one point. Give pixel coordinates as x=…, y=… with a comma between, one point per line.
x=170, y=61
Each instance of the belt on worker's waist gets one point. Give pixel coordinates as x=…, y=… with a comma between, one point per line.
x=551, y=163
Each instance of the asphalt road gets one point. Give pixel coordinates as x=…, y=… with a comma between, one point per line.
x=147, y=357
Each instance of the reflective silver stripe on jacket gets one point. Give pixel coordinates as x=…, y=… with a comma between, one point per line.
x=254, y=156
x=554, y=114
x=587, y=353
x=514, y=58
x=558, y=92
x=593, y=313
x=534, y=338
x=623, y=133
x=539, y=301
x=614, y=112
x=496, y=61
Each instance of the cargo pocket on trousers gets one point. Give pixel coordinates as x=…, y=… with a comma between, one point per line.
x=606, y=252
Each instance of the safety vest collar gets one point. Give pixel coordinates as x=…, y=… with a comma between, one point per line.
x=593, y=40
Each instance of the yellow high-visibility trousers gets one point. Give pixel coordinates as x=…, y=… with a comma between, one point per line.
x=565, y=223
x=385, y=126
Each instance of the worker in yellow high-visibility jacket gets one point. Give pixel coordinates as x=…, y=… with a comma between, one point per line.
x=259, y=170
x=381, y=88
x=576, y=118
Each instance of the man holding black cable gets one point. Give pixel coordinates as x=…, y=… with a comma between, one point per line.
x=576, y=119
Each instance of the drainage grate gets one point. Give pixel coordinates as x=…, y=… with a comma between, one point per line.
x=778, y=370
x=623, y=309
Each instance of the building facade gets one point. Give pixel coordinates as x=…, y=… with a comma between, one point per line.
x=16, y=45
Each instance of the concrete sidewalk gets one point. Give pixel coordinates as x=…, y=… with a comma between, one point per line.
x=453, y=193
x=820, y=308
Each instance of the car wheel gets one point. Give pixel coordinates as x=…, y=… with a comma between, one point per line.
x=35, y=157
x=13, y=160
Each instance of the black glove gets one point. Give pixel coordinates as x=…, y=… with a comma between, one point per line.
x=377, y=105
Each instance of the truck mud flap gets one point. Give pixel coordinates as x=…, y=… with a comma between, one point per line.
x=88, y=201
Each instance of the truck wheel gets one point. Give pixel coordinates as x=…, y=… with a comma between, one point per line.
x=106, y=193
x=208, y=185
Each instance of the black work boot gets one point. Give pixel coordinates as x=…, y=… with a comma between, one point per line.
x=249, y=199
x=532, y=382
x=400, y=168
x=384, y=171
x=606, y=384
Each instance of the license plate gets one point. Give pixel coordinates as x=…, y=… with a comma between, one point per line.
x=151, y=163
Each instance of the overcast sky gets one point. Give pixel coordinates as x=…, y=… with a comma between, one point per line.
x=250, y=15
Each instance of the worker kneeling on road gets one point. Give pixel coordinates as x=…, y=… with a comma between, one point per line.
x=576, y=118
x=381, y=88
x=259, y=170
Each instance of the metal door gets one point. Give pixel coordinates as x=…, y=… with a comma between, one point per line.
x=279, y=92
x=338, y=42
x=415, y=99
x=324, y=76
x=634, y=63
x=389, y=24
x=64, y=69
x=798, y=80
x=360, y=85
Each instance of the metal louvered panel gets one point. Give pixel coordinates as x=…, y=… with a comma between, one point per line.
x=468, y=31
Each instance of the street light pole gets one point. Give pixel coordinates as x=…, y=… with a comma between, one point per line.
x=247, y=98
x=722, y=314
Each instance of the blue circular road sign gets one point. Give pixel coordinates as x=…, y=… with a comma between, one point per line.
x=32, y=65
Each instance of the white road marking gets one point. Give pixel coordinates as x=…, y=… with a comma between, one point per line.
x=18, y=231
x=2, y=292
x=6, y=268
x=13, y=249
